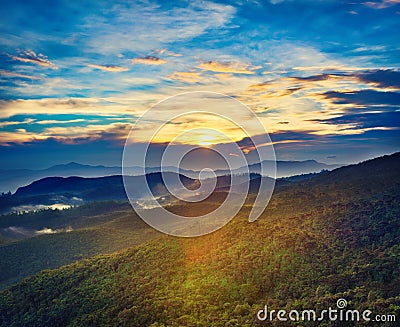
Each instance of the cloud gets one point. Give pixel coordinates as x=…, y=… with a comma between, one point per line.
x=109, y=68
x=328, y=67
x=84, y=106
x=190, y=77
x=381, y=4
x=54, y=121
x=283, y=104
x=247, y=149
x=376, y=48
x=11, y=123
x=18, y=136
x=313, y=86
x=46, y=230
x=386, y=78
x=367, y=120
x=46, y=87
x=25, y=232
x=224, y=76
x=29, y=56
x=364, y=97
x=293, y=100
x=228, y=67
x=10, y=74
x=304, y=62
x=149, y=60
x=141, y=26
x=167, y=52
x=312, y=103
x=116, y=132
x=113, y=131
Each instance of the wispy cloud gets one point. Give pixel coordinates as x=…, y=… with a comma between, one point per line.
x=56, y=122
x=25, y=232
x=190, y=77
x=12, y=123
x=228, y=67
x=167, y=53
x=327, y=68
x=11, y=74
x=116, y=132
x=29, y=56
x=381, y=4
x=85, y=106
x=109, y=68
x=113, y=131
x=153, y=26
x=149, y=60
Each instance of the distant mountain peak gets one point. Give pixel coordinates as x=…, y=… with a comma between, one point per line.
x=67, y=165
x=73, y=163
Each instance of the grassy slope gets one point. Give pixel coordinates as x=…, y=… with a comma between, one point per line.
x=317, y=241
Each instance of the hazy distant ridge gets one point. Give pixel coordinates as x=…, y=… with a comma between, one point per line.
x=12, y=179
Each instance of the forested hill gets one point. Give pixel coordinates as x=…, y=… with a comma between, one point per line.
x=334, y=236
x=383, y=169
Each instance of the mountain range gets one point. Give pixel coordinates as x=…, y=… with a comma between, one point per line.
x=12, y=179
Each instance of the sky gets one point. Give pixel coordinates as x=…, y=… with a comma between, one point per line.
x=323, y=76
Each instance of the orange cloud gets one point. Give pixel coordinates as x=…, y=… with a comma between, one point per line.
x=149, y=60
x=190, y=77
x=31, y=57
x=246, y=148
x=93, y=106
x=70, y=134
x=329, y=68
x=18, y=136
x=296, y=100
x=109, y=68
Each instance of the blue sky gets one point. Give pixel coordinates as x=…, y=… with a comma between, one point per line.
x=323, y=76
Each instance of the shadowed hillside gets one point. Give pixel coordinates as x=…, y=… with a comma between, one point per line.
x=77, y=190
